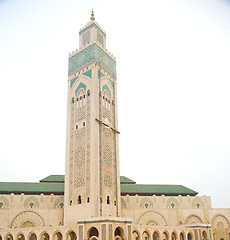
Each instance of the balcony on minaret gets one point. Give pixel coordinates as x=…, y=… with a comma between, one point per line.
x=92, y=33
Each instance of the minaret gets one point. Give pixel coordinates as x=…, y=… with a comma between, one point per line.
x=92, y=179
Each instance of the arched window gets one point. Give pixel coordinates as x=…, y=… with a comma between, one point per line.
x=61, y=204
x=119, y=232
x=79, y=199
x=31, y=204
x=71, y=236
x=58, y=236
x=80, y=98
x=155, y=236
x=189, y=236
x=135, y=236
x=93, y=232
x=174, y=236
x=106, y=100
x=9, y=237
x=165, y=236
x=108, y=200
x=45, y=236
x=33, y=236
x=182, y=236
x=204, y=235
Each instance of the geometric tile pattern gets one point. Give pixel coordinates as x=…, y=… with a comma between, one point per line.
x=89, y=54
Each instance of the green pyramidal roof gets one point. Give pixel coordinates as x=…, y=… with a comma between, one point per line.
x=54, y=178
x=54, y=184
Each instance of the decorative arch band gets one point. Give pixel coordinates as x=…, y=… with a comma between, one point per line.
x=81, y=85
x=105, y=87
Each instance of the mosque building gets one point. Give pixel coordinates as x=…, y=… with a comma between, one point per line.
x=92, y=201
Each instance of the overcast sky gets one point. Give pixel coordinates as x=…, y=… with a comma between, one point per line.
x=173, y=68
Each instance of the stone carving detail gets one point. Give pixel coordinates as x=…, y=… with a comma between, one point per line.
x=193, y=219
x=152, y=218
x=146, y=203
x=220, y=226
x=172, y=203
x=219, y=218
x=27, y=216
x=197, y=203
x=59, y=202
x=31, y=202
x=4, y=203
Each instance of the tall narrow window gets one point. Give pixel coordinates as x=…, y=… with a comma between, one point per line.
x=108, y=201
x=79, y=199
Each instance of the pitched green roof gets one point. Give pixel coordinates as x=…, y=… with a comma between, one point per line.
x=147, y=189
x=55, y=184
x=125, y=180
x=31, y=188
x=54, y=178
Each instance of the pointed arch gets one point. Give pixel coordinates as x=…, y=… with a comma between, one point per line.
x=152, y=217
x=27, y=216
x=105, y=87
x=193, y=219
x=80, y=85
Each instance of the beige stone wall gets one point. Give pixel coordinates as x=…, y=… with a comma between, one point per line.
x=39, y=210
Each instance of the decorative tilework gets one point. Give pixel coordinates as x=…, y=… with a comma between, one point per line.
x=88, y=73
x=87, y=55
x=112, y=83
x=81, y=85
x=100, y=74
x=105, y=87
x=73, y=81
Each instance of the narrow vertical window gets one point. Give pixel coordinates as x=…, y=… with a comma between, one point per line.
x=79, y=199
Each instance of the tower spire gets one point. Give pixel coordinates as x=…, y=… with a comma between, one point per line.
x=92, y=18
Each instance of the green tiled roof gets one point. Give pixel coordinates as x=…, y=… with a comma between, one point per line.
x=125, y=180
x=55, y=184
x=146, y=189
x=31, y=188
x=54, y=178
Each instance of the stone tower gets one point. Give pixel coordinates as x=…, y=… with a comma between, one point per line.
x=92, y=180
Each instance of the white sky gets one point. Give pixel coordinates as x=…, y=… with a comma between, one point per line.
x=173, y=67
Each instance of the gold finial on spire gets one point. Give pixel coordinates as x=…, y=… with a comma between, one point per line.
x=92, y=16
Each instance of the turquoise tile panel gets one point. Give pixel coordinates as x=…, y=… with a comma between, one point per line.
x=88, y=73
x=111, y=82
x=72, y=81
x=105, y=87
x=93, y=52
x=81, y=85
x=100, y=74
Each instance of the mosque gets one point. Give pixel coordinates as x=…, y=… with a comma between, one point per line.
x=92, y=201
